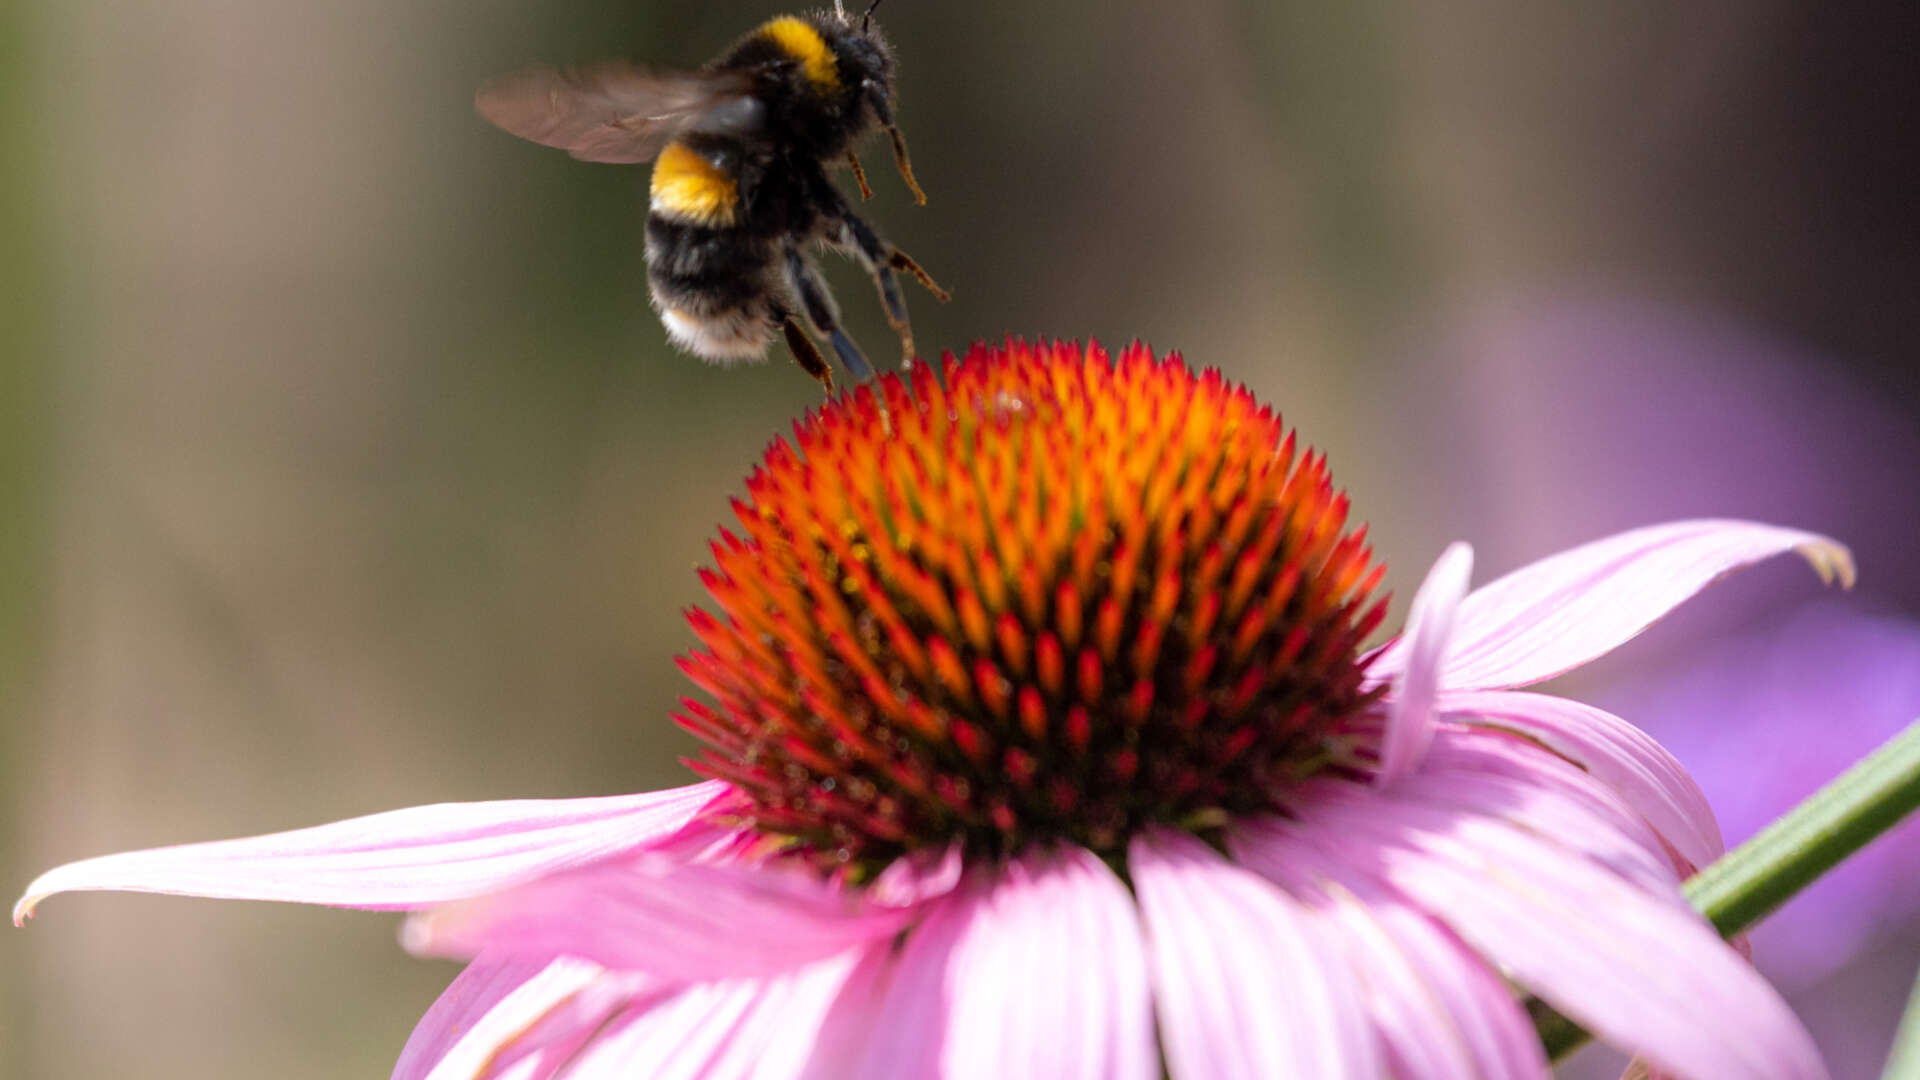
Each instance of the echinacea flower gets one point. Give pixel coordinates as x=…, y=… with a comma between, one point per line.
x=1042, y=743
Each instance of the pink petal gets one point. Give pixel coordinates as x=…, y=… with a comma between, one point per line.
x=1246, y=981
x=919, y=877
x=1033, y=970
x=1440, y=1011
x=1049, y=977
x=1429, y=630
x=1496, y=775
x=1567, y=609
x=1616, y=753
x=396, y=860
x=676, y=921
x=547, y=1049
x=732, y=1029
x=890, y=1018
x=1643, y=971
x=490, y=1003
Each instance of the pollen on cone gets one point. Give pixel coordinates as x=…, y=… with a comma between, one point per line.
x=1051, y=593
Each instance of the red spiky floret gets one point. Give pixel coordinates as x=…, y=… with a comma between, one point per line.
x=1047, y=595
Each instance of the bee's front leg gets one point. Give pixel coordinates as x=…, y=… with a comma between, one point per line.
x=805, y=283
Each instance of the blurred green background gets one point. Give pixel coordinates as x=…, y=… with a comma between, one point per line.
x=345, y=466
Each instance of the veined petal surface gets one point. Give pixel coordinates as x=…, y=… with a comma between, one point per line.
x=396, y=860
x=1613, y=751
x=1048, y=977
x=1641, y=970
x=1036, y=968
x=1440, y=1011
x=1486, y=773
x=675, y=921
x=1247, y=982
x=489, y=1004
x=1429, y=631
x=1552, y=616
x=758, y=1028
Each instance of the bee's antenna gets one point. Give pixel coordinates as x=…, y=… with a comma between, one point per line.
x=866, y=16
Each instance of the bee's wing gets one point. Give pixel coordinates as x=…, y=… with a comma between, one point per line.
x=615, y=112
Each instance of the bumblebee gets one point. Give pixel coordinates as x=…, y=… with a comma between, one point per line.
x=740, y=198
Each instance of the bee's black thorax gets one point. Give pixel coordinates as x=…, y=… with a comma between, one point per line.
x=816, y=77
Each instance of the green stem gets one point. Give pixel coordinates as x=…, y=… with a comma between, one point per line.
x=1746, y=884
x=1904, y=1062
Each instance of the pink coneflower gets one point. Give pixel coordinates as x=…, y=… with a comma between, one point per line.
x=1042, y=744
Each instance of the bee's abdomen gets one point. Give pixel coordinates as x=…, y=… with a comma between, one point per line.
x=711, y=286
x=719, y=263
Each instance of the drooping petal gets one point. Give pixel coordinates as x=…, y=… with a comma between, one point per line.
x=1440, y=1011
x=489, y=1003
x=1036, y=969
x=1616, y=753
x=395, y=860
x=1641, y=970
x=655, y=914
x=1049, y=977
x=1429, y=630
x=546, y=1049
x=731, y=1029
x=891, y=1016
x=1556, y=614
x=1246, y=980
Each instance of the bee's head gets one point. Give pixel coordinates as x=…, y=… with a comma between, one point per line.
x=866, y=59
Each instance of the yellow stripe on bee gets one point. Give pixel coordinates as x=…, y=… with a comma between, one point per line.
x=687, y=187
x=798, y=39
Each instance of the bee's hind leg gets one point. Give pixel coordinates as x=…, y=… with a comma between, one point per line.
x=881, y=260
x=803, y=278
x=805, y=352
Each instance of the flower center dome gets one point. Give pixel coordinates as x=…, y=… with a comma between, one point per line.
x=1046, y=596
